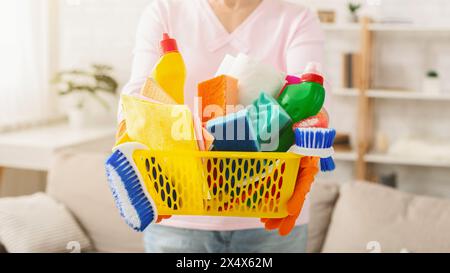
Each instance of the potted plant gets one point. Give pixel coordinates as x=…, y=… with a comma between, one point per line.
x=353, y=9
x=82, y=85
x=431, y=83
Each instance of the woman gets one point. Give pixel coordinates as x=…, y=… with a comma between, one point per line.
x=279, y=33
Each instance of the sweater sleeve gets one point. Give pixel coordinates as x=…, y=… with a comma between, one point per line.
x=146, y=51
x=306, y=45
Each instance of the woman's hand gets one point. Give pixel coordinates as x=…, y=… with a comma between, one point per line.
x=308, y=170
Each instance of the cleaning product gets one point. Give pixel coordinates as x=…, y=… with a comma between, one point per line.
x=124, y=138
x=170, y=71
x=321, y=120
x=121, y=135
x=218, y=96
x=306, y=99
x=290, y=80
x=226, y=65
x=253, y=77
x=159, y=126
x=305, y=178
x=167, y=128
x=208, y=138
x=234, y=132
x=204, y=138
x=153, y=91
x=269, y=119
x=125, y=182
x=287, y=139
x=317, y=142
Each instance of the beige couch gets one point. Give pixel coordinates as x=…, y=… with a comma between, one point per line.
x=355, y=217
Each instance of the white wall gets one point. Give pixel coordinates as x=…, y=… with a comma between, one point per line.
x=103, y=31
x=99, y=31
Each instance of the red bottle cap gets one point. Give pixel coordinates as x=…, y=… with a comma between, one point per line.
x=312, y=77
x=168, y=44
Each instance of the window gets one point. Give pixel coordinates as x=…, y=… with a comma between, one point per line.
x=25, y=96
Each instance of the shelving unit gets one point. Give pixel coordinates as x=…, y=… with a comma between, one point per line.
x=365, y=96
x=393, y=94
x=406, y=160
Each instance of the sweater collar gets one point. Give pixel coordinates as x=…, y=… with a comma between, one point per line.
x=235, y=38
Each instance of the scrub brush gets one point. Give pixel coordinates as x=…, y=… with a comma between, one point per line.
x=316, y=142
x=130, y=195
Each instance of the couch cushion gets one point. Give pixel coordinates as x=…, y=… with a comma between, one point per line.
x=371, y=218
x=38, y=224
x=78, y=180
x=323, y=199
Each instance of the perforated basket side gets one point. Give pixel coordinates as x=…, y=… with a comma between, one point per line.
x=219, y=184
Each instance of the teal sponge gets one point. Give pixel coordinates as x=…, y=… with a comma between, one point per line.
x=271, y=122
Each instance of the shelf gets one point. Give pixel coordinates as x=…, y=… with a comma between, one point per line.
x=341, y=27
x=346, y=92
x=408, y=28
x=345, y=156
x=393, y=94
x=379, y=27
x=393, y=159
x=406, y=160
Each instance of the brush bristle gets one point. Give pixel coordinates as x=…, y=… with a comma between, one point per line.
x=129, y=196
x=317, y=138
x=327, y=164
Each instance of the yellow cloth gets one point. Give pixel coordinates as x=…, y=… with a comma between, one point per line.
x=169, y=128
x=159, y=126
x=124, y=139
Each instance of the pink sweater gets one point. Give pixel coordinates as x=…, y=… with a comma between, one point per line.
x=282, y=34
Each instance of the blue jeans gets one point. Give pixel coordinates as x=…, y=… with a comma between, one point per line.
x=160, y=239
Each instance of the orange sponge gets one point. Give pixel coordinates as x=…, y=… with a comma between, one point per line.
x=216, y=94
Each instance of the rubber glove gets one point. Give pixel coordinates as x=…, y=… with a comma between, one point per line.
x=120, y=135
x=309, y=167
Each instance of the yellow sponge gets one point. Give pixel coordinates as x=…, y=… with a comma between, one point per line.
x=153, y=91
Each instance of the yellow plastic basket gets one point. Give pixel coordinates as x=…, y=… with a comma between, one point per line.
x=219, y=183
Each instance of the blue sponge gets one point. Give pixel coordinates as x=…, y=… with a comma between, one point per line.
x=234, y=132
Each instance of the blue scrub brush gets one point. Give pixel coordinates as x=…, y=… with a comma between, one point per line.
x=130, y=195
x=317, y=142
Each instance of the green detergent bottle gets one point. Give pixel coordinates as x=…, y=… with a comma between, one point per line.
x=306, y=99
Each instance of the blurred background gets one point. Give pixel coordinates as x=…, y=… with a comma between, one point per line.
x=64, y=62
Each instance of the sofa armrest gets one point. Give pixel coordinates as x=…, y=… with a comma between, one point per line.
x=323, y=200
